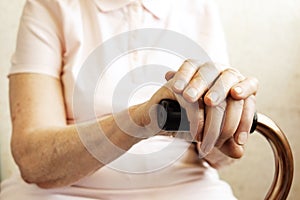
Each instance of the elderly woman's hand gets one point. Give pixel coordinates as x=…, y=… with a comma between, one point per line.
x=238, y=118
x=229, y=104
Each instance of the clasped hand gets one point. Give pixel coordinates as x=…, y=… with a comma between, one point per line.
x=220, y=105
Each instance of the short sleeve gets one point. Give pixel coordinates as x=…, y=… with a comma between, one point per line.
x=39, y=48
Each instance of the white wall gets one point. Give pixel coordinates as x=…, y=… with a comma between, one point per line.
x=264, y=41
x=9, y=20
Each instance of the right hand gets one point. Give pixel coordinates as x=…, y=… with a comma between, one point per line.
x=194, y=110
x=190, y=73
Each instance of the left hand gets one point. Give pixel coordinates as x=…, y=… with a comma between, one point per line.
x=230, y=104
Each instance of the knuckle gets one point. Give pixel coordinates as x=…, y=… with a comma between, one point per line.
x=232, y=150
x=234, y=72
x=237, y=155
x=226, y=134
x=221, y=107
x=252, y=99
x=198, y=82
x=254, y=83
x=184, y=74
x=240, y=103
x=191, y=63
x=197, y=79
x=234, y=102
x=220, y=142
x=231, y=70
x=209, y=68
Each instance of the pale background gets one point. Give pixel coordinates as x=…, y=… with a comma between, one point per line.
x=263, y=40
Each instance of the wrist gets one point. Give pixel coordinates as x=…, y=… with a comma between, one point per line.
x=139, y=114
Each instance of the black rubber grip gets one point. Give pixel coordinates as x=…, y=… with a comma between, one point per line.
x=172, y=117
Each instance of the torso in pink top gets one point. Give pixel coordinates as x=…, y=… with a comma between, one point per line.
x=62, y=34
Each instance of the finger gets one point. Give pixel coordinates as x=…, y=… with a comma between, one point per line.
x=245, y=124
x=232, y=149
x=219, y=91
x=184, y=75
x=201, y=81
x=165, y=92
x=232, y=118
x=212, y=127
x=245, y=88
x=195, y=114
x=169, y=75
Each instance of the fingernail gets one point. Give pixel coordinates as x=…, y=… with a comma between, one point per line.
x=243, y=137
x=213, y=97
x=238, y=90
x=179, y=84
x=192, y=92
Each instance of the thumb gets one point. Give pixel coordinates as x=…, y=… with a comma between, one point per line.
x=169, y=75
x=232, y=149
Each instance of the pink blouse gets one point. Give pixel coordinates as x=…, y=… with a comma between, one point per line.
x=65, y=38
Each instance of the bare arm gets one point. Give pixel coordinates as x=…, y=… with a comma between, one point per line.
x=47, y=150
x=50, y=153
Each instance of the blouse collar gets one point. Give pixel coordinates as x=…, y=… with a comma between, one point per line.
x=159, y=8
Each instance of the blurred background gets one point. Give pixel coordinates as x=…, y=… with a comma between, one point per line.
x=263, y=40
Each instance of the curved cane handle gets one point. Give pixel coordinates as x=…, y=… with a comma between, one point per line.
x=284, y=162
x=171, y=117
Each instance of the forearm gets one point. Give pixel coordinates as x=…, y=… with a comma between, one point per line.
x=56, y=156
